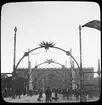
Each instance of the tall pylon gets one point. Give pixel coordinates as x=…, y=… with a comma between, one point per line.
x=29, y=70
x=70, y=58
x=30, y=77
x=14, y=59
x=72, y=70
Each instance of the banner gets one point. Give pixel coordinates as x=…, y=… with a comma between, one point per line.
x=93, y=24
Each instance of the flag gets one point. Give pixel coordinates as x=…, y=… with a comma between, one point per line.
x=93, y=24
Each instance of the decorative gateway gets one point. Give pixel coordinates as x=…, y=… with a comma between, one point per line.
x=54, y=78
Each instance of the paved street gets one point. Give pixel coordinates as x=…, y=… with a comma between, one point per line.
x=33, y=99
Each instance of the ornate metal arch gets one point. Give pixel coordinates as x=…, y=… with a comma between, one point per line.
x=56, y=77
x=56, y=73
x=46, y=72
x=49, y=61
x=46, y=45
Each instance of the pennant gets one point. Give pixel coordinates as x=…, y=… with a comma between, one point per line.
x=93, y=24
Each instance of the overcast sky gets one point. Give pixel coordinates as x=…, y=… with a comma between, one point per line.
x=49, y=21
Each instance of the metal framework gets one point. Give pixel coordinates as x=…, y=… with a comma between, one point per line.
x=46, y=46
x=49, y=61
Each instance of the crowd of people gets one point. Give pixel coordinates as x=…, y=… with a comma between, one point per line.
x=66, y=94
x=48, y=93
x=17, y=88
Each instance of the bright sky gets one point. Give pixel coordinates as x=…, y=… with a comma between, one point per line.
x=49, y=21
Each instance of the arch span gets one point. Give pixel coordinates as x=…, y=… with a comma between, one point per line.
x=52, y=82
x=46, y=46
x=53, y=73
x=49, y=63
x=49, y=75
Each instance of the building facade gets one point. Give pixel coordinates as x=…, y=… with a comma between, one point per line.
x=56, y=77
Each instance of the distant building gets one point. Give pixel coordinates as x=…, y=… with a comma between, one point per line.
x=56, y=77
x=88, y=77
x=22, y=72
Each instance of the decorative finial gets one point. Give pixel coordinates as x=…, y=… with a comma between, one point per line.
x=15, y=29
x=80, y=27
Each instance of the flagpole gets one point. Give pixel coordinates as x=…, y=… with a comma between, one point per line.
x=97, y=25
x=81, y=70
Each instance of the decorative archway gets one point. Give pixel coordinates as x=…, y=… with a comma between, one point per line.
x=58, y=74
x=55, y=74
x=46, y=46
x=49, y=61
x=53, y=82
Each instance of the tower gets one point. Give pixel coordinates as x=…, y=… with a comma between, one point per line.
x=29, y=71
x=72, y=71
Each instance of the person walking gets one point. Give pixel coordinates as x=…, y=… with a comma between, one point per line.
x=40, y=95
x=48, y=94
x=56, y=94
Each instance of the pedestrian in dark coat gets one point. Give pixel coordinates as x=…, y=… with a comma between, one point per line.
x=48, y=95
